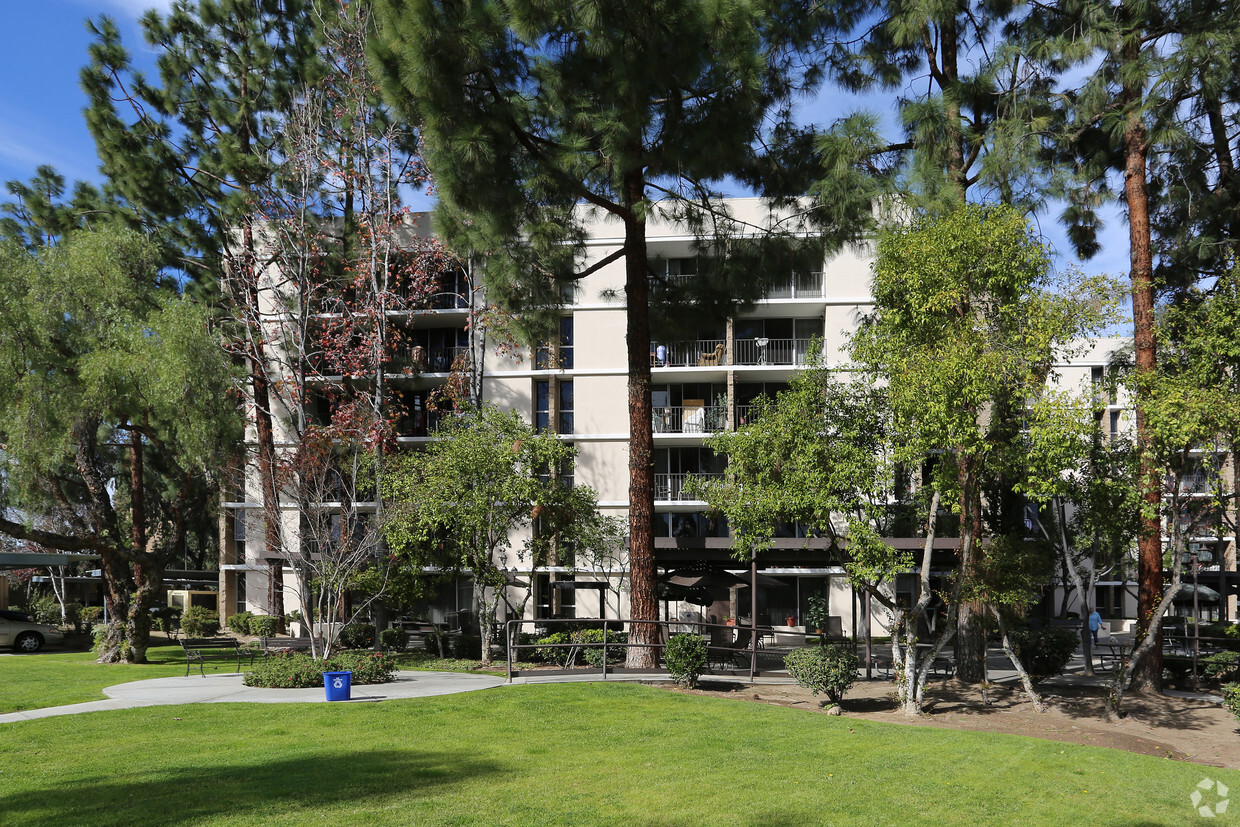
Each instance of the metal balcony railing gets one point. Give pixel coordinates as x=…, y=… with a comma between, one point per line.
x=671, y=487
x=798, y=286
x=702, y=353
x=678, y=419
x=764, y=351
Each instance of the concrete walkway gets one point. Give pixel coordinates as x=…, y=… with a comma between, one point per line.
x=228, y=688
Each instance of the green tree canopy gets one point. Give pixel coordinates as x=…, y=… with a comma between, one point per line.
x=119, y=409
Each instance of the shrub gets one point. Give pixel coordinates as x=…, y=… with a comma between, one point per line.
x=73, y=614
x=830, y=669
x=593, y=654
x=357, y=636
x=367, y=667
x=394, y=640
x=199, y=621
x=685, y=656
x=167, y=618
x=467, y=646
x=553, y=653
x=263, y=625
x=1231, y=698
x=1222, y=665
x=293, y=670
x=1046, y=652
x=91, y=614
x=44, y=609
x=432, y=644
x=240, y=623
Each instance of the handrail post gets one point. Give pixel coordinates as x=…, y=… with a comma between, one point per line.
x=508, y=634
x=604, y=648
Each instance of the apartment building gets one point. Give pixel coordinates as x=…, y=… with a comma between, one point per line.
x=705, y=378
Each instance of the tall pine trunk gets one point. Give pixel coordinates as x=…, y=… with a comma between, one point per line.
x=1149, y=544
x=643, y=595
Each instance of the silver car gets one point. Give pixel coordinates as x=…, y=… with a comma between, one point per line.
x=21, y=632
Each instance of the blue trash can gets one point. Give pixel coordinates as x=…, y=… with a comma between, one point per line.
x=338, y=685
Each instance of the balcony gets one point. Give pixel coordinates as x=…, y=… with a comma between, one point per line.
x=798, y=286
x=671, y=487
x=695, y=419
x=431, y=360
x=702, y=353
x=764, y=351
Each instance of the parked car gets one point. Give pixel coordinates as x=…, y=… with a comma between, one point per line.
x=19, y=630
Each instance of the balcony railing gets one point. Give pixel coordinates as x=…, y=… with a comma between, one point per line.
x=702, y=353
x=671, y=487
x=798, y=286
x=678, y=419
x=431, y=360
x=764, y=351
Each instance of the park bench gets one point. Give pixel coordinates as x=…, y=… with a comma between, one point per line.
x=268, y=645
x=197, y=648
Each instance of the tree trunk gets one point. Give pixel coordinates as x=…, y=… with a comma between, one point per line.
x=643, y=575
x=971, y=614
x=1149, y=543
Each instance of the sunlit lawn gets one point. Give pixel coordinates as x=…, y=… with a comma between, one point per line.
x=58, y=677
x=612, y=754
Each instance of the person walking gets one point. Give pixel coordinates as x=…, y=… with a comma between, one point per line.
x=1095, y=623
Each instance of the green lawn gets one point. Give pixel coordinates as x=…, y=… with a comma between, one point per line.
x=59, y=677
x=56, y=678
x=569, y=754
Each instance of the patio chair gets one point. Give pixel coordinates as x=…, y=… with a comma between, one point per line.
x=711, y=360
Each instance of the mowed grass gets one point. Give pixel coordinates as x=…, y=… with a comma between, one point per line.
x=612, y=754
x=59, y=677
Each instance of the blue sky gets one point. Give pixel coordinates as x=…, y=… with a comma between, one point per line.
x=41, y=104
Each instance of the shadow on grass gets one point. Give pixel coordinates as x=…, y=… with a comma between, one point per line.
x=183, y=794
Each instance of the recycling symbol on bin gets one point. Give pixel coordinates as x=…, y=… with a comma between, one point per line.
x=337, y=683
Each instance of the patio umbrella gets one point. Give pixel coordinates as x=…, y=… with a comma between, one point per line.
x=1204, y=593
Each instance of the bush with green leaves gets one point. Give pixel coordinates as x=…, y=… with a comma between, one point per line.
x=554, y=650
x=592, y=650
x=394, y=640
x=1231, y=698
x=1222, y=666
x=73, y=615
x=830, y=669
x=199, y=621
x=44, y=609
x=91, y=615
x=167, y=618
x=298, y=670
x=1046, y=652
x=467, y=646
x=357, y=636
x=263, y=625
x=685, y=656
x=433, y=640
x=240, y=623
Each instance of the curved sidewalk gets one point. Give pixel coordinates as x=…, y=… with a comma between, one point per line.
x=228, y=688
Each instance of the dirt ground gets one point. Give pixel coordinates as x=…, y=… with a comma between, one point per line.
x=1179, y=728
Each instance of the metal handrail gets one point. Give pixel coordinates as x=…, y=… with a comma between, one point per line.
x=512, y=629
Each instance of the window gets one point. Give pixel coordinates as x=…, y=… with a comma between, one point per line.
x=566, y=343
x=542, y=405
x=557, y=354
x=565, y=417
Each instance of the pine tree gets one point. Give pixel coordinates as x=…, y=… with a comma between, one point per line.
x=533, y=114
x=1121, y=121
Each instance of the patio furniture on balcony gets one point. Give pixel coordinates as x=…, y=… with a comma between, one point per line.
x=712, y=359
